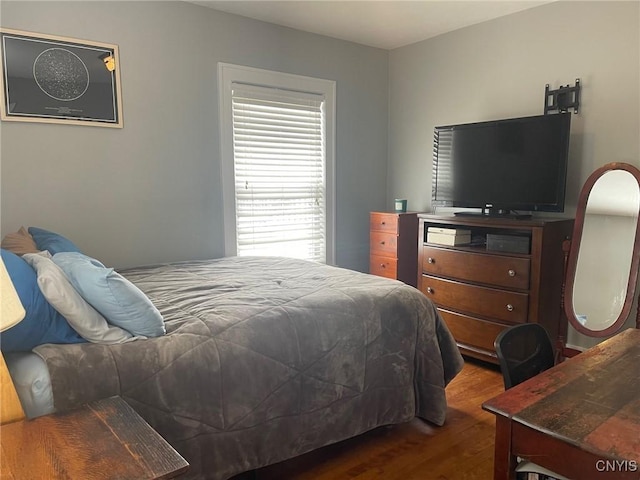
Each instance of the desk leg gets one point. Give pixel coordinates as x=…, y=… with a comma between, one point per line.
x=504, y=463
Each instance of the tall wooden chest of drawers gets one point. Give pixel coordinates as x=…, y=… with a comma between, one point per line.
x=393, y=247
x=482, y=289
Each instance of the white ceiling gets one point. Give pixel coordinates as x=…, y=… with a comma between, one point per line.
x=383, y=24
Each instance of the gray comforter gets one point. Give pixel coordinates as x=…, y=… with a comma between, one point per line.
x=266, y=359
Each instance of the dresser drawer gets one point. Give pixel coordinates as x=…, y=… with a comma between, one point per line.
x=383, y=244
x=482, y=301
x=470, y=331
x=383, y=266
x=383, y=222
x=502, y=271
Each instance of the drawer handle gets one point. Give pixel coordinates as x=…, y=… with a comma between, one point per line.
x=382, y=265
x=382, y=242
x=512, y=273
x=431, y=260
x=509, y=307
x=429, y=290
x=383, y=223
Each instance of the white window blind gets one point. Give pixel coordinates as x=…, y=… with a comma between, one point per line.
x=280, y=172
x=441, y=170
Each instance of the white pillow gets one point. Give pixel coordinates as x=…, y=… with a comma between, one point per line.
x=62, y=296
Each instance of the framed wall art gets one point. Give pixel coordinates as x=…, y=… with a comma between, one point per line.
x=59, y=80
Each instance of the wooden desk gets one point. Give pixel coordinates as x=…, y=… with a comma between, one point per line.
x=102, y=440
x=580, y=419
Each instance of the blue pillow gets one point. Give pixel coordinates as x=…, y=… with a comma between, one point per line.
x=116, y=298
x=42, y=323
x=54, y=242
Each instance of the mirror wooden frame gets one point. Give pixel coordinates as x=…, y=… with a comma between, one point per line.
x=574, y=250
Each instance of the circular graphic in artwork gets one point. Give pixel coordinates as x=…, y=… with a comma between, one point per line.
x=61, y=74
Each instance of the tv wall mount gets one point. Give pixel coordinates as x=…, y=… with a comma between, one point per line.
x=562, y=99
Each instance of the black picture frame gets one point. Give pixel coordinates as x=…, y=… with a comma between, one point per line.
x=53, y=79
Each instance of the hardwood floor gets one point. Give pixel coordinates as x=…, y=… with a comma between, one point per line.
x=462, y=449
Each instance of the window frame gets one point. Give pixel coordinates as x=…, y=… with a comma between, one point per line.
x=228, y=74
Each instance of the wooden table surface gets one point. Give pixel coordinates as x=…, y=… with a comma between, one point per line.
x=102, y=440
x=581, y=418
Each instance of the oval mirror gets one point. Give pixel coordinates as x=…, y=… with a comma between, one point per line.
x=602, y=268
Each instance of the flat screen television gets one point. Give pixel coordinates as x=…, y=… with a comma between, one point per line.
x=503, y=166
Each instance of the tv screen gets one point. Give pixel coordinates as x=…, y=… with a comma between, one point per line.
x=504, y=165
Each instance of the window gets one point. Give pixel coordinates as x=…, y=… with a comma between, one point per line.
x=277, y=161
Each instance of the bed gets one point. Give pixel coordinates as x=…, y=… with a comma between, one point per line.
x=263, y=359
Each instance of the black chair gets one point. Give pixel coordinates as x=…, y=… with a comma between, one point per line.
x=524, y=351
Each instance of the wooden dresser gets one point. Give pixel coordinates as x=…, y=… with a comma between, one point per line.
x=393, y=247
x=479, y=291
